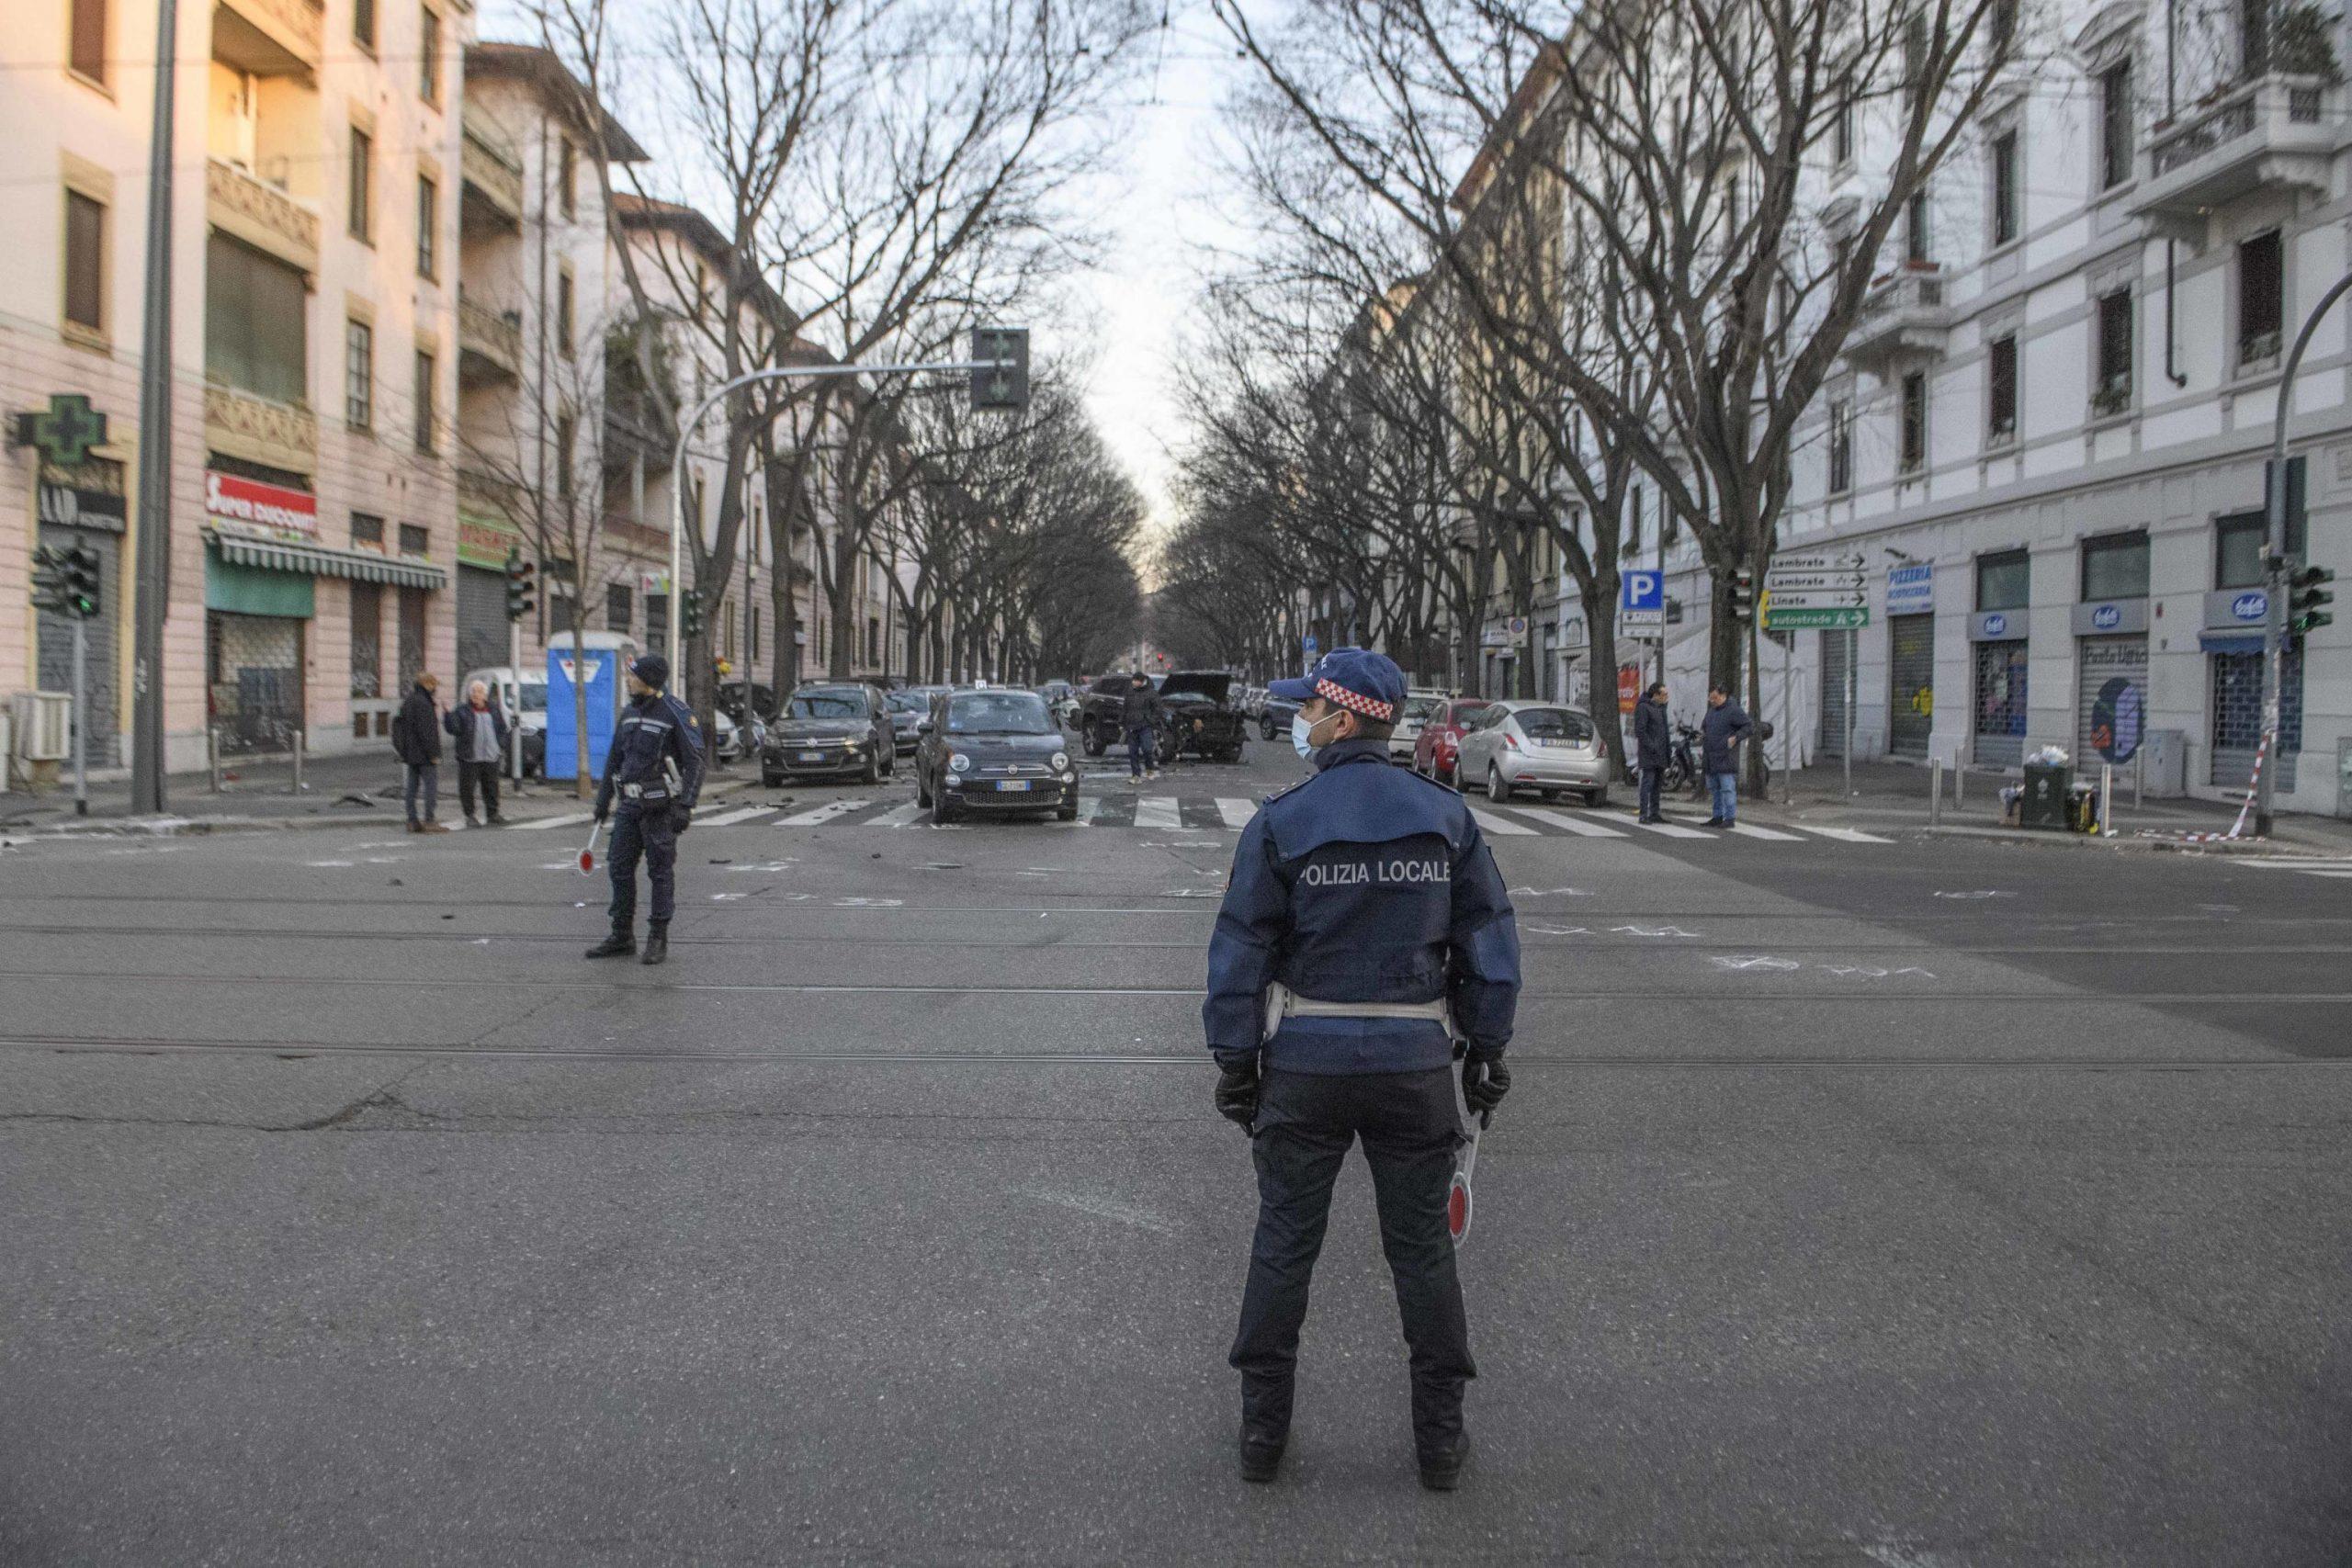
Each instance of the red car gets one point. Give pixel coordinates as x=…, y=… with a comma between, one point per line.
x=1441, y=739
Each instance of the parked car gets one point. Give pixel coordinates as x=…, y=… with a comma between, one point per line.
x=830, y=730
x=1435, y=749
x=907, y=709
x=990, y=751
x=1419, y=705
x=1539, y=746
x=1275, y=715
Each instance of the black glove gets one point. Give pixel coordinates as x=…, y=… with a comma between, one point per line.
x=603, y=813
x=1484, y=1081
x=1237, y=1086
x=682, y=817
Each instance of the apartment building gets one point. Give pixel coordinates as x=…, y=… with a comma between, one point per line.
x=315, y=329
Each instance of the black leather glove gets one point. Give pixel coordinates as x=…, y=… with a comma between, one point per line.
x=682, y=817
x=1237, y=1086
x=1484, y=1083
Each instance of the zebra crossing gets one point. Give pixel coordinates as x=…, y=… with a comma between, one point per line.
x=1211, y=814
x=2336, y=868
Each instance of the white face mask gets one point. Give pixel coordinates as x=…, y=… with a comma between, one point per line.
x=1301, y=735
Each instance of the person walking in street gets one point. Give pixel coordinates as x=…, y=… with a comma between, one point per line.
x=1720, y=733
x=1364, y=925
x=1652, y=746
x=1139, y=714
x=416, y=741
x=479, y=736
x=654, y=769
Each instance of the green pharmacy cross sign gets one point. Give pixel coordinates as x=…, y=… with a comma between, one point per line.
x=65, y=431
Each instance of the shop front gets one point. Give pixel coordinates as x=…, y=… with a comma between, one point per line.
x=1911, y=659
x=83, y=503
x=2232, y=642
x=484, y=634
x=1996, y=647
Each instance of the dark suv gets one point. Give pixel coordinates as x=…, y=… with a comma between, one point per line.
x=836, y=730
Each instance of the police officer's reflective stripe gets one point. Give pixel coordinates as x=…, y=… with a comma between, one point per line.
x=1282, y=1002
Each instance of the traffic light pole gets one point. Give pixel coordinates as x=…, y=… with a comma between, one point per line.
x=81, y=716
x=154, y=544
x=2274, y=571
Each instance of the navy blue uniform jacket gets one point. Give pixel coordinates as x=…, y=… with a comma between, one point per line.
x=1365, y=884
x=651, y=728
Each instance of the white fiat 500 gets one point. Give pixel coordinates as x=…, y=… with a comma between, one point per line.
x=1538, y=746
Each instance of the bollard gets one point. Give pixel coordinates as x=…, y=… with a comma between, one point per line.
x=297, y=764
x=212, y=754
x=2139, y=775
x=1935, y=791
x=2106, y=800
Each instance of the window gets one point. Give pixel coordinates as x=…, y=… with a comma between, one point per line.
x=567, y=433
x=2237, y=550
x=755, y=631
x=1841, y=446
x=367, y=531
x=873, y=640
x=618, y=607
x=2115, y=568
x=2115, y=125
x=428, y=55
x=363, y=24
x=2114, y=393
x=425, y=375
x=359, y=193
x=1915, y=54
x=2261, y=297
x=359, y=376
x=1841, y=127
x=255, y=308
x=2001, y=385
x=86, y=49
x=412, y=609
x=416, y=540
x=2001, y=28
x=563, y=305
x=2004, y=582
x=567, y=179
x=1914, y=227
x=2005, y=187
x=86, y=262
x=1914, y=421
x=366, y=638
x=428, y=224
x=2254, y=35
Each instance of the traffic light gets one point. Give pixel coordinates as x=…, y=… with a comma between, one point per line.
x=48, y=580
x=520, y=575
x=690, y=615
x=1673, y=611
x=2306, y=599
x=80, y=564
x=1002, y=378
x=1743, y=594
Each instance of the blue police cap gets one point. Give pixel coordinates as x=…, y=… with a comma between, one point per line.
x=1355, y=678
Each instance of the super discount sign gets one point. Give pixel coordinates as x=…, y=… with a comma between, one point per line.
x=257, y=505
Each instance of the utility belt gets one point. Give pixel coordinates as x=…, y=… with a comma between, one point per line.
x=648, y=795
x=1282, y=1002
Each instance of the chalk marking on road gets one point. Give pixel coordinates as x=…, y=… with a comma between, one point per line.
x=824, y=813
x=1159, y=812
x=1494, y=824
x=1670, y=830
x=1236, y=812
x=1193, y=893
x=1644, y=930
x=1903, y=1557
x=1748, y=831
x=1744, y=962
x=1558, y=931
x=868, y=903
x=570, y=820
x=327, y=862
x=1978, y=893
x=1103, y=1209
x=728, y=818
x=1843, y=835
x=727, y=897
x=765, y=866
x=1583, y=828
x=897, y=817
x=1549, y=893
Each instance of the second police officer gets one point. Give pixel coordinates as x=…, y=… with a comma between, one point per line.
x=1364, y=928
x=655, y=771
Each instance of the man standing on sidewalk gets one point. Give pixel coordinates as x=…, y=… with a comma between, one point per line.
x=416, y=741
x=1140, y=713
x=1651, y=746
x=479, y=732
x=1725, y=726
x=655, y=769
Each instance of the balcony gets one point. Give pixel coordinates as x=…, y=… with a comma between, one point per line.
x=493, y=175
x=490, y=343
x=484, y=495
x=2269, y=133
x=270, y=38
x=1904, y=318
x=258, y=430
x=261, y=215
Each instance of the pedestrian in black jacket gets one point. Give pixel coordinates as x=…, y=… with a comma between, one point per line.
x=416, y=741
x=1140, y=713
x=478, y=734
x=1652, y=744
x=1725, y=726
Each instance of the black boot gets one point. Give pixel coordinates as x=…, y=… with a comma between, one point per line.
x=657, y=944
x=620, y=944
x=1442, y=1464
x=1260, y=1456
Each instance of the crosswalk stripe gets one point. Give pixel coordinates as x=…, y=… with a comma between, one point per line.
x=897, y=817
x=1670, y=830
x=1747, y=830
x=730, y=817
x=1846, y=835
x=824, y=813
x=1158, y=811
x=1494, y=824
x=572, y=820
x=1237, y=813
x=2337, y=875
x=2287, y=863
x=1582, y=827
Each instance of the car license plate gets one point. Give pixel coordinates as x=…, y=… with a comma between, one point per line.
x=1013, y=784
x=812, y=757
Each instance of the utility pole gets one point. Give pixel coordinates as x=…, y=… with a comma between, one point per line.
x=153, y=536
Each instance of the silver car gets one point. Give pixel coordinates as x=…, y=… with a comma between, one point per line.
x=1538, y=746
x=1419, y=705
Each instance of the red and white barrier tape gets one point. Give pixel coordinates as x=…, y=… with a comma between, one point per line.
x=2237, y=828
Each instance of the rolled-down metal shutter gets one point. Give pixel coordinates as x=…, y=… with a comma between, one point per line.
x=1833, y=694
x=2099, y=660
x=482, y=641
x=2000, y=711
x=1911, y=699
x=2237, y=717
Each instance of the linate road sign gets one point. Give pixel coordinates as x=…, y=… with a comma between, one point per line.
x=1780, y=618
x=1819, y=598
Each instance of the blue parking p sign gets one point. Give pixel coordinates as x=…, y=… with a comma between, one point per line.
x=1307, y=642
x=1642, y=590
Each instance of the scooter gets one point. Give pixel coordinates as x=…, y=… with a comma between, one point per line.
x=1682, y=771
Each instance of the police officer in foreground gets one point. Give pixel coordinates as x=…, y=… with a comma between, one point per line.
x=655, y=769
x=1365, y=927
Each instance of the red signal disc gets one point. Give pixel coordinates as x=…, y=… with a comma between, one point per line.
x=1457, y=1208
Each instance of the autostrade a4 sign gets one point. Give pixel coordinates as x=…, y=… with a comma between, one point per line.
x=1795, y=619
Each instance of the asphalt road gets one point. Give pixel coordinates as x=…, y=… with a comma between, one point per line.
x=1908, y=1202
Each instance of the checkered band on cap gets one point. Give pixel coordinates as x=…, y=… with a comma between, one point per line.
x=1355, y=702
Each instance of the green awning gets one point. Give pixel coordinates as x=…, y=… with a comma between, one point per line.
x=325, y=560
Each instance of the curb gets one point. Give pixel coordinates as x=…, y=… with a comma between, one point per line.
x=192, y=827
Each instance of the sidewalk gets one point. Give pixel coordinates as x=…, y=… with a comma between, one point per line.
x=1894, y=795
x=258, y=794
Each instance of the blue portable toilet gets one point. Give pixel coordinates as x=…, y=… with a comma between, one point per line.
x=599, y=669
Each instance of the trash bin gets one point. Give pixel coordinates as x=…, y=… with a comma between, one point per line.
x=2047, y=785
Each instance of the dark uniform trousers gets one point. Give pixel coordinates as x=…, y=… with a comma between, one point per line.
x=1411, y=1133
x=644, y=828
